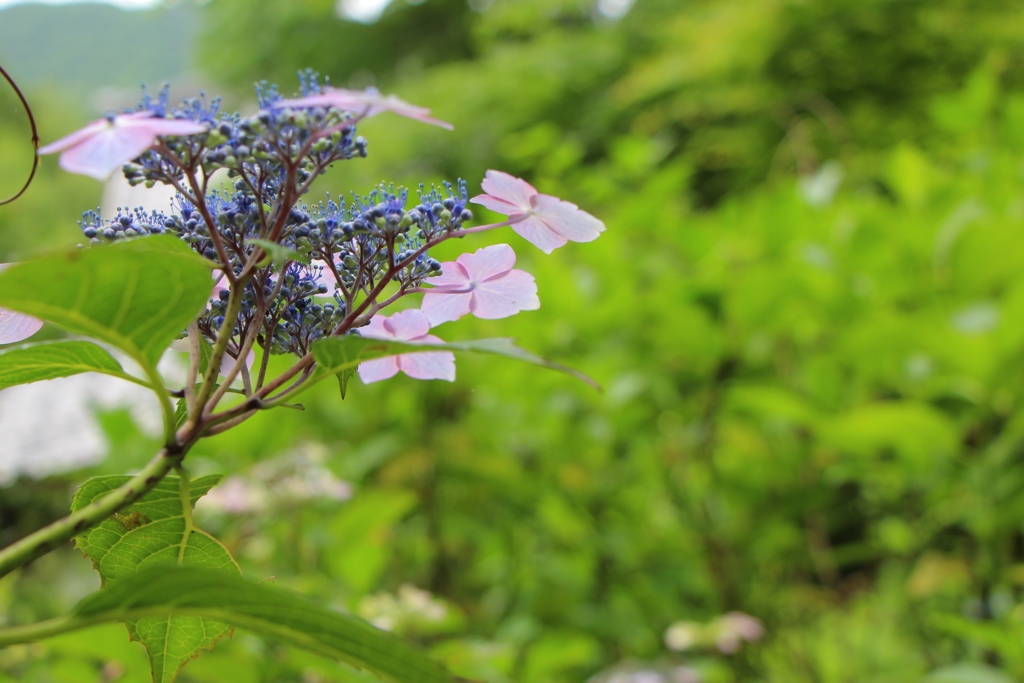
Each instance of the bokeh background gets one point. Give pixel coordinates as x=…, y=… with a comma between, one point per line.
x=807, y=314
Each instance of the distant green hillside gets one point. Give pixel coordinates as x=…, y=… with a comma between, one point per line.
x=82, y=48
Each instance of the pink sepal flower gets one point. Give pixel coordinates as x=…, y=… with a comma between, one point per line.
x=367, y=102
x=550, y=222
x=105, y=145
x=406, y=326
x=14, y=327
x=482, y=283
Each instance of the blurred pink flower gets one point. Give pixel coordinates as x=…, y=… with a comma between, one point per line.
x=406, y=326
x=735, y=627
x=15, y=327
x=105, y=145
x=482, y=283
x=367, y=102
x=220, y=284
x=549, y=223
x=228, y=362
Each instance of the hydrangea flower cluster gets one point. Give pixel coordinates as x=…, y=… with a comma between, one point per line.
x=290, y=273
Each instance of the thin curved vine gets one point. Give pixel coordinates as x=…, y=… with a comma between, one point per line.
x=35, y=138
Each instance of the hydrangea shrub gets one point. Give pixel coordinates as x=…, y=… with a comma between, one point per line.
x=236, y=276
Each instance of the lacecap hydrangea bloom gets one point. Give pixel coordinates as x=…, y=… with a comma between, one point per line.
x=292, y=272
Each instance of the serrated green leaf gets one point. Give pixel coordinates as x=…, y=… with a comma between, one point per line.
x=265, y=609
x=340, y=354
x=155, y=530
x=50, y=360
x=205, y=354
x=136, y=295
x=180, y=413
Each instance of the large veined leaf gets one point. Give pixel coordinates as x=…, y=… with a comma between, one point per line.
x=265, y=609
x=337, y=355
x=137, y=295
x=156, y=530
x=50, y=360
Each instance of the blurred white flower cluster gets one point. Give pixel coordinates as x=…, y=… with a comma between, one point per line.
x=410, y=611
x=725, y=633
x=293, y=479
x=31, y=447
x=648, y=673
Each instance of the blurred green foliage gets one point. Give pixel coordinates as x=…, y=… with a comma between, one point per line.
x=807, y=313
x=36, y=221
x=735, y=89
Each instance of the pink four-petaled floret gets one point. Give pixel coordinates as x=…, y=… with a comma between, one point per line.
x=105, y=145
x=549, y=221
x=365, y=102
x=482, y=283
x=406, y=326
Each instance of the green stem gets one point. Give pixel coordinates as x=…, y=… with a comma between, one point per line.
x=185, y=491
x=166, y=407
x=33, y=633
x=220, y=347
x=63, y=530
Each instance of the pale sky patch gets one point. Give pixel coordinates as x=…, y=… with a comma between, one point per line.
x=364, y=11
x=123, y=4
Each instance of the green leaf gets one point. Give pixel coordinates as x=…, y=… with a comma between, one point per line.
x=137, y=295
x=341, y=354
x=344, y=377
x=265, y=609
x=277, y=253
x=50, y=360
x=205, y=354
x=157, y=530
